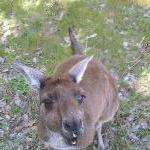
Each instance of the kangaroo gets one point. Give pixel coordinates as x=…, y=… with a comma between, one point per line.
x=74, y=102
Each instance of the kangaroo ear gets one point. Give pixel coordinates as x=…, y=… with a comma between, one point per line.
x=33, y=76
x=78, y=70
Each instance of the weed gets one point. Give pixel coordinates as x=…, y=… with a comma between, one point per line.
x=19, y=84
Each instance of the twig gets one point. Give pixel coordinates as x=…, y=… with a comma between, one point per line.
x=137, y=60
x=139, y=57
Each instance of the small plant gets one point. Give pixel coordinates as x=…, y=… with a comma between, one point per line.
x=15, y=109
x=18, y=84
x=143, y=133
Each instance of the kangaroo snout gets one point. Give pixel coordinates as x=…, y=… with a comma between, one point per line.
x=72, y=130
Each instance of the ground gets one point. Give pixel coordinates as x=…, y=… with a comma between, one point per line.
x=116, y=32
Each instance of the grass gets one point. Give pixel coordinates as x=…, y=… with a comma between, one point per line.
x=15, y=109
x=143, y=85
x=40, y=30
x=143, y=133
x=108, y=42
x=19, y=84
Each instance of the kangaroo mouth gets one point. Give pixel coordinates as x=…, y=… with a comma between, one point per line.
x=73, y=141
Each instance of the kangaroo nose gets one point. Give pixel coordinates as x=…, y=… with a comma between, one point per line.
x=73, y=127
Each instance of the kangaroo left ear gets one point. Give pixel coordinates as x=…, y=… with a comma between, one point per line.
x=78, y=70
x=33, y=76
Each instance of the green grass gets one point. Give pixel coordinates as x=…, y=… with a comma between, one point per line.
x=120, y=140
x=86, y=17
x=15, y=109
x=19, y=84
x=143, y=133
x=35, y=24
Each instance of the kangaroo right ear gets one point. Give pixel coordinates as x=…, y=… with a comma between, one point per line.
x=78, y=70
x=33, y=76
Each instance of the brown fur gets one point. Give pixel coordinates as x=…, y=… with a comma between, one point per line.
x=100, y=104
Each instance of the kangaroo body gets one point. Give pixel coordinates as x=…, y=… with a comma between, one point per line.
x=75, y=102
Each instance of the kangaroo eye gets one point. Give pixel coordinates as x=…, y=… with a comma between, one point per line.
x=80, y=98
x=48, y=103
